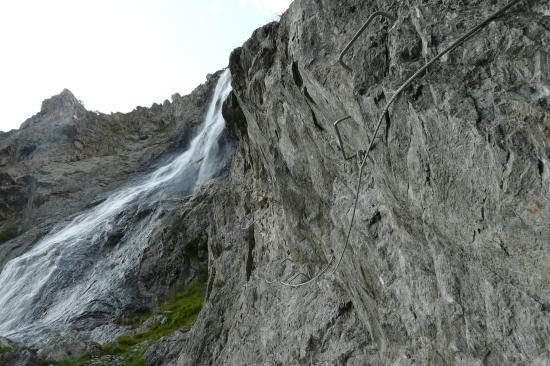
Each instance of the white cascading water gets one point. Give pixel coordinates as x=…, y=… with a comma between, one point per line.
x=66, y=276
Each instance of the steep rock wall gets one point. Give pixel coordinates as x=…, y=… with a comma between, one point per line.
x=449, y=258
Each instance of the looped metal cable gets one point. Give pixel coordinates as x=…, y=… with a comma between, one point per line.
x=314, y=278
x=362, y=156
x=288, y=282
x=399, y=91
x=284, y=260
x=339, y=136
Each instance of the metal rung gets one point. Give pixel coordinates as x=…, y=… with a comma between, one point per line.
x=396, y=95
x=340, y=142
x=354, y=39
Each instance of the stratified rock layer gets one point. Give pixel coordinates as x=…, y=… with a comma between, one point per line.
x=449, y=259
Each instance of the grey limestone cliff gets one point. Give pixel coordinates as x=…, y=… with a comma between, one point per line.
x=449, y=257
x=448, y=261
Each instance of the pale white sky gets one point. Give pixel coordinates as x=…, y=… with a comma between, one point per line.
x=116, y=54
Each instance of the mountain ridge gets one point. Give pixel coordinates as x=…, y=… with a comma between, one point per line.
x=64, y=157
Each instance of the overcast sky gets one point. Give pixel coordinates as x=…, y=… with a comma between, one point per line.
x=116, y=54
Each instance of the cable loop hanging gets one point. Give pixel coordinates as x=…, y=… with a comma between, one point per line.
x=363, y=155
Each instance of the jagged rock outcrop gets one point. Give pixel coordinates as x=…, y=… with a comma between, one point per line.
x=59, y=111
x=448, y=262
x=64, y=158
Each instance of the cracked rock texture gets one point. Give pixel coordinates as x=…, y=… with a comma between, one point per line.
x=449, y=258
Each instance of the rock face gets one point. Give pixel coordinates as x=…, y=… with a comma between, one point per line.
x=64, y=158
x=14, y=354
x=448, y=262
x=449, y=258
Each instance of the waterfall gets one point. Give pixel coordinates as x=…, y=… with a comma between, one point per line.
x=67, y=277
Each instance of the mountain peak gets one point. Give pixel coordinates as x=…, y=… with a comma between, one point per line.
x=59, y=107
x=61, y=102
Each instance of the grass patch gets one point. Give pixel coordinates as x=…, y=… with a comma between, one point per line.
x=181, y=311
x=135, y=359
x=7, y=232
x=126, y=355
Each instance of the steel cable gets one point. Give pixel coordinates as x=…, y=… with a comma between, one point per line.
x=363, y=159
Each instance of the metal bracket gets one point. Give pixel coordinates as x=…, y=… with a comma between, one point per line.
x=354, y=39
x=340, y=142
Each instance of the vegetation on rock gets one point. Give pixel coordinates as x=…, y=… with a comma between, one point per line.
x=5, y=348
x=180, y=311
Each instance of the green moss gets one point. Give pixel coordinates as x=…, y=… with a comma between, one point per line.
x=7, y=232
x=115, y=349
x=136, y=359
x=181, y=311
x=5, y=348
